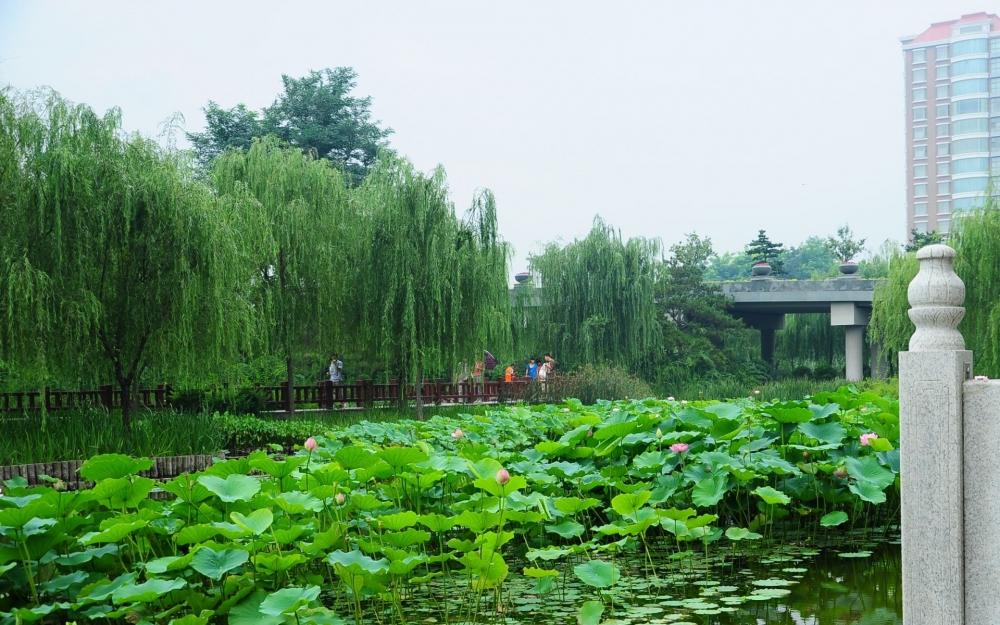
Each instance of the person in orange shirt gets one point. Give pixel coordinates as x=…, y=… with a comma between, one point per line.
x=508, y=375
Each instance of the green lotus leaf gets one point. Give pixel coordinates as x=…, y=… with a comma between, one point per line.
x=483, y=468
x=626, y=504
x=59, y=583
x=830, y=433
x=257, y=522
x=124, y=492
x=437, y=522
x=288, y=535
x=696, y=418
x=37, y=613
x=590, y=613
x=215, y=564
x=741, y=533
x=275, y=562
x=193, y=619
x=366, y=502
x=325, y=541
x=81, y=557
x=868, y=469
x=709, y=491
x=615, y=430
x=551, y=448
x=406, y=538
x=538, y=573
x=355, y=457
x=574, y=505
x=881, y=444
x=278, y=470
x=399, y=457
x=771, y=496
x=491, y=486
x=114, y=534
x=113, y=466
x=358, y=563
x=791, y=415
x=547, y=554
x=288, y=600
x=597, y=573
x=187, y=489
x=169, y=563
x=567, y=529
x=297, y=502
x=146, y=592
x=868, y=492
x=248, y=612
x=833, y=519
x=398, y=521
x=234, y=487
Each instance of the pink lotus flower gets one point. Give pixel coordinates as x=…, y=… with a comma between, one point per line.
x=981, y=378
x=866, y=439
x=310, y=444
x=565, y=409
x=457, y=434
x=684, y=402
x=841, y=472
x=503, y=477
x=805, y=454
x=679, y=448
x=340, y=499
x=756, y=392
x=670, y=399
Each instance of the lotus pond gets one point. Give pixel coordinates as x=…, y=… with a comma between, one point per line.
x=628, y=512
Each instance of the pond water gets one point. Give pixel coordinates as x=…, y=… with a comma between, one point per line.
x=786, y=585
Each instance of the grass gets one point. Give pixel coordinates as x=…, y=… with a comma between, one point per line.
x=786, y=390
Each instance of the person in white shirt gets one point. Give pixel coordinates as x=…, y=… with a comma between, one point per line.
x=336, y=370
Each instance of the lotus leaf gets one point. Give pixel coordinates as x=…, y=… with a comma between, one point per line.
x=215, y=564
x=597, y=573
x=232, y=488
x=288, y=600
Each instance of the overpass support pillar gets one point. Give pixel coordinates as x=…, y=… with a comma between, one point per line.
x=767, y=324
x=854, y=319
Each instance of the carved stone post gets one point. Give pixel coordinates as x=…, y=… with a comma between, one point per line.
x=931, y=376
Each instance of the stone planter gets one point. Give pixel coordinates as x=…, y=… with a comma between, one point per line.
x=849, y=268
x=761, y=269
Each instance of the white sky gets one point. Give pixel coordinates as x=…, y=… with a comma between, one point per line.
x=663, y=117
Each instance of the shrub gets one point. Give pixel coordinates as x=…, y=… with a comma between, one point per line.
x=827, y=372
x=592, y=382
x=802, y=372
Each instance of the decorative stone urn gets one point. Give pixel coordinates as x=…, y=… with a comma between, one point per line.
x=848, y=268
x=761, y=269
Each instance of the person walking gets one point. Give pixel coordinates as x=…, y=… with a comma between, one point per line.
x=531, y=371
x=336, y=370
x=477, y=380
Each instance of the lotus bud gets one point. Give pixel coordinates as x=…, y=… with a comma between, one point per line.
x=756, y=392
x=670, y=399
x=503, y=477
x=679, y=448
x=457, y=434
x=805, y=454
x=310, y=444
x=590, y=432
x=59, y=486
x=659, y=433
x=684, y=402
x=841, y=472
x=340, y=499
x=565, y=409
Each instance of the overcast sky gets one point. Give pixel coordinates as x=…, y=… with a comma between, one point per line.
x=663, y=117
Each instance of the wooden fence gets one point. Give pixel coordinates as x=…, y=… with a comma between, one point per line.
x=325, y=395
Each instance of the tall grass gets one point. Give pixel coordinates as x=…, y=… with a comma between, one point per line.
x=779, y=389
x=80, y=434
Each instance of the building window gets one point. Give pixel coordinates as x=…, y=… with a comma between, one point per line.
x=966, y=203
x=920, y=209
x=995, y=105
x=920, y=56
x=967, y=146
x=995, y=165
x=942, y=110
x=920, y=171
x=995, y=84
x=942, y=92
x=944, y=225
x=920, y=95
x=920, y=190
x=995, y=144
x=995, y=124
x=941, y=72
x=969, y=126
x=995, y=45
x=920, y=227
x=968, y=107
x=919, y=132
x=969, y=46
x=969, y=165
x=970, y=185
x=995, y=66
x=942, y=52
x=962, y=68
x=943, y=129
x=944, y=188
x=920, y=75
x=943, y=149
x=968, y=86
x=944, y=207
x=920, y=113
x=944, y=168
x=920, y=151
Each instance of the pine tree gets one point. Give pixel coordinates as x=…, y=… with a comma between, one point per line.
x=762, y=250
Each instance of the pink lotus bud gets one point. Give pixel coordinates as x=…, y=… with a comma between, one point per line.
x=590, y=432
x=457, y=434
x=805, y=454
x=503, y=477
x=310, y=444
x=841, y=472
x=864, y=410
x=565, y=409
x=340, y=499
x=866, y=439
x=679, y=448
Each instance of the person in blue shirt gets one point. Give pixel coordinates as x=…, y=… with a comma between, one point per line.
x=532, y=369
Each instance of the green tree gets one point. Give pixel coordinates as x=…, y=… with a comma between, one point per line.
x=762, y=250
x=923, y=239
x=694, y=320
x=304, y=279
x=728, y=267
x=598, y=300
x=113, y=259
x=812, y=260
x=843, y=246
x=316, y=113
x=432, y=288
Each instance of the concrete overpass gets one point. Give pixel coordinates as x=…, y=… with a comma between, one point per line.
x=762, y=303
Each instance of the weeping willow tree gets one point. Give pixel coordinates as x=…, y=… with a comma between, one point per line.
x=975, y=239
x=598, y=300
x=433, y=287
x=112, y=256
x=809, y=339
x=304, y=277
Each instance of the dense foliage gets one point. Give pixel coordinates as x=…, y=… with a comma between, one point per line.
x=368, y=515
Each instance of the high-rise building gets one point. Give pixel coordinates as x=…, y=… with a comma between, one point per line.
x=952, y=78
